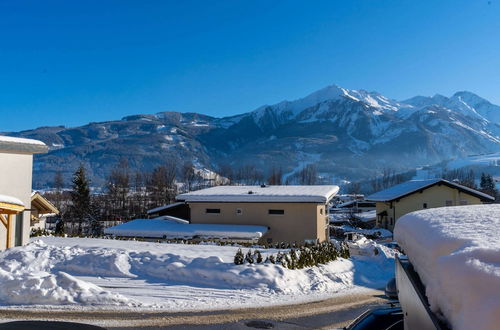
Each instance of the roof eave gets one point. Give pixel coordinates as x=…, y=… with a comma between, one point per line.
x=24, y=148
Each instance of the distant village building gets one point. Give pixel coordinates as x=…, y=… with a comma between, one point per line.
x=41, y=209
x=16, y=165
x=394, y=202
x=292, y=213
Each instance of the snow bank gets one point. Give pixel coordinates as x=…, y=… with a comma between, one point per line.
x=58, y=271
x=175, y=229
x=27, y=278
x=456, y=252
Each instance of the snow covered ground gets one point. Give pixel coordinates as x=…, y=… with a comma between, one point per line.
x=456, y=252
x=86, y=273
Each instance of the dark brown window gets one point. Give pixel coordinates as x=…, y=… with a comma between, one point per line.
x=425, y=205
x=277, y=212
x=212, y=211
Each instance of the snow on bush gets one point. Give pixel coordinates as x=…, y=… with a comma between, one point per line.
x=56, y=273
x=456, y=252
x=298, y=258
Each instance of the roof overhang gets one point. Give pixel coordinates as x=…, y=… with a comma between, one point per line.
x=22, y=146
x=42, y=205
x=482, y=196
x=166, y=207
x=9, y=208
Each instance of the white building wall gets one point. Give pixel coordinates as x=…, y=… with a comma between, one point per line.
x=15, y=181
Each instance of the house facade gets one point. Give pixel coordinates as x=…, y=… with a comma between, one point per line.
x=415, y=195
x=16, y=164
x=291, y=213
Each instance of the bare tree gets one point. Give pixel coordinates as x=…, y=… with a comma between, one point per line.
x=161, y=184
x=58, y=187
x=118, y=187
x=308, y=175
x=354, y=188
x=249, y=174
x=189, y=176
x=276, y=176
x=461, y=176
x=225, y=170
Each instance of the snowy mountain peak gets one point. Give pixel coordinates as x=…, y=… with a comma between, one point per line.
x=469, y=97
x=466, y=103
x=287, y=110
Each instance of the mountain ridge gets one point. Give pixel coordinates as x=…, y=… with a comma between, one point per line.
x=347, y=134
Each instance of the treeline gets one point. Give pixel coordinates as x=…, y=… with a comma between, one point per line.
x=468, y=178
x=252, y=175
x=388, y=178
x=127, y=195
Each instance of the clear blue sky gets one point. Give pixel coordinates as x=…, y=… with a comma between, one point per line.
x=72, y=62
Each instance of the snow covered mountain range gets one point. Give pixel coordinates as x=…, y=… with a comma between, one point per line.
x=348, y=134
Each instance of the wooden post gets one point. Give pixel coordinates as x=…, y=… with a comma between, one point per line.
x=9, y=230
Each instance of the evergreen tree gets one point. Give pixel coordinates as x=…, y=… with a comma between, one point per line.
x=80, y=198
x=249, y=257
x=58, y=186
x=293, y=259
x=59, y=230
x=487, y=185
x=239, y=258
x=258, y=256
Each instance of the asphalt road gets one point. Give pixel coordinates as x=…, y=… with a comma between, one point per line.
x=326, y=314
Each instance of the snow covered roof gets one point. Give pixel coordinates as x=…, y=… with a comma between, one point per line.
x=10, y=200
x=164, y=207
x=366, y=216
x=456, y=252
x=9, y=143
x=357, y=203
x=300, y=194
x=406, y=188
x=173, y=229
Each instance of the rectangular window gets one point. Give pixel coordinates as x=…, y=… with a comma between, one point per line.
x=212, y=211
x=463, y=202
x=425, y=205
x=448, y=203
x=276, y=212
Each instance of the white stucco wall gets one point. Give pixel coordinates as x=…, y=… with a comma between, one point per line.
x=15, y=181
